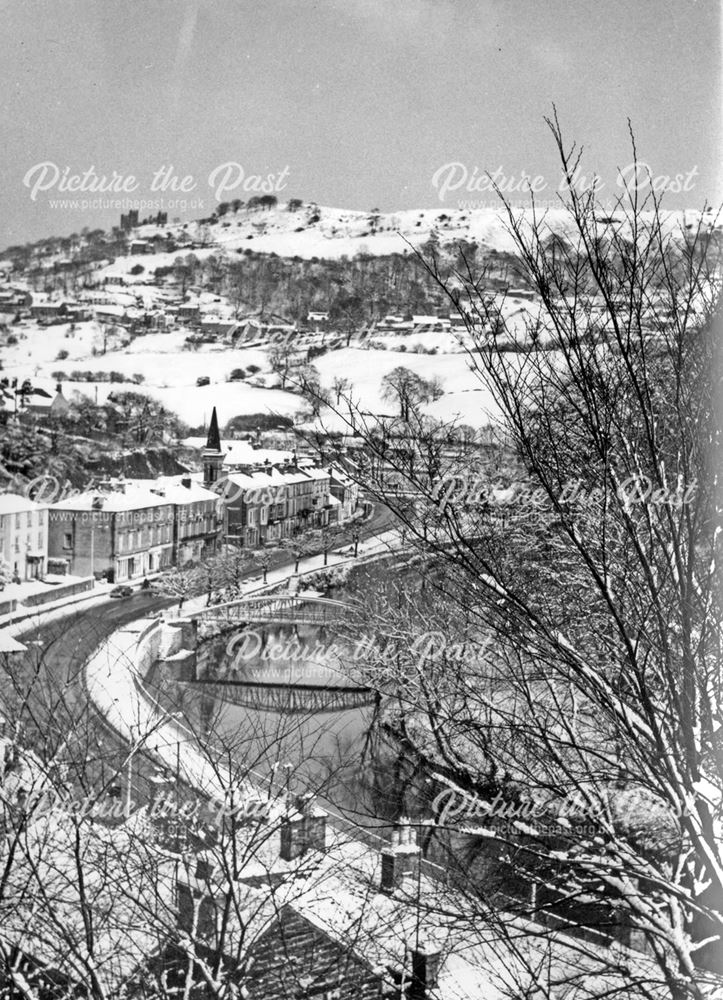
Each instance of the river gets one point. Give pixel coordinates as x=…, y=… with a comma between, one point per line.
x=288, y=702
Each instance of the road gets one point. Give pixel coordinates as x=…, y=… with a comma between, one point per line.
x=45, y=686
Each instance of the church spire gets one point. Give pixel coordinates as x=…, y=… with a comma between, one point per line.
x=213, y=441
x=212, y=453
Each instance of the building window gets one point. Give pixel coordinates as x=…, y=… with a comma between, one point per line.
x=67, y=540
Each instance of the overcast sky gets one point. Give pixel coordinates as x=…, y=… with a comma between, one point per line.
x=350, y=103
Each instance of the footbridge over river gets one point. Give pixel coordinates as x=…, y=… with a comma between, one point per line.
x=276, y=609
x=285, y=676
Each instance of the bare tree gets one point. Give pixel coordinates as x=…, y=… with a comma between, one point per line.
x=339, y=387
x=582, y=562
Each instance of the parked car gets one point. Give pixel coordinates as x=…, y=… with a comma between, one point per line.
x=122, y=591
x=203, y=380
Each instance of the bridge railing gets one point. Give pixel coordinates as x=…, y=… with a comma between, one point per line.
x=276, y=604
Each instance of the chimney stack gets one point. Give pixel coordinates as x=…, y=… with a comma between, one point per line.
x=304, y=829
x=426, y=963
x=204, y=867
x=401, y=858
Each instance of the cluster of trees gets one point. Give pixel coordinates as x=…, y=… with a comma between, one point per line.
x=265, y=201
x=90, y=438
x=88, y=376
x=409, y=389
x=133, y=419
x=579, y=566
x=245, y=423
x=354, y=291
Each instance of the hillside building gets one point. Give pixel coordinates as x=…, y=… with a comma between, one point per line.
x=120, y=532
x=23, y=536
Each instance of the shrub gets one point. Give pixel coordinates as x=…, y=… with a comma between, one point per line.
x=61, y=355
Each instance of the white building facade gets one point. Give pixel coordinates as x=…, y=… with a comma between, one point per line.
x=23, y=536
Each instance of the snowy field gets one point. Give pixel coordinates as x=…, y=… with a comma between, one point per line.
x=341, y=233
x=170, y=373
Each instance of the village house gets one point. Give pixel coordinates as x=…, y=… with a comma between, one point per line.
x=318, y=320
x=346, y=491
x=122, y=532
x=14, y=299
x=23, y=536
x=252, y=329
x=215, y=326
x=33, y=398
x=267, y=506
x=255, y=509
x=270, y=495
x=188, y=312
x=48, y=311
x=111, y=313
x=40, y=402
x=330, y=916
x=197, y=516
x=314, y=909
x=430, y=324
